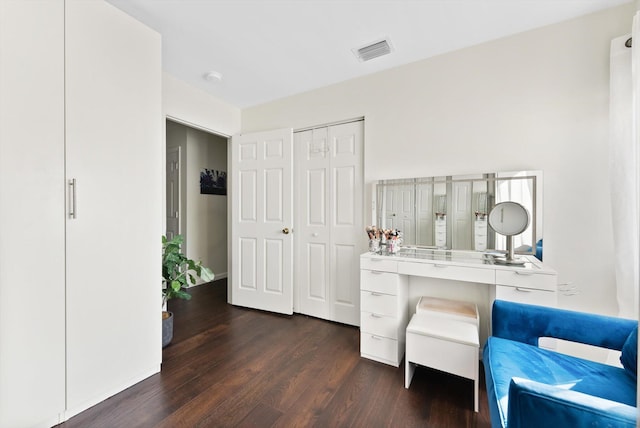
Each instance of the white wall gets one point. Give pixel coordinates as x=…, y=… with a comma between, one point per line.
x=534, y=101
x=206, y=214
x=189, y=105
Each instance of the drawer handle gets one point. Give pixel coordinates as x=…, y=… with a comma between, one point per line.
x=376, y=294
x=376, y=272
x=375, y=337
x=376, y=316
x=523, y=290
x=377, y=260
x=440, y=266
x=524, y=273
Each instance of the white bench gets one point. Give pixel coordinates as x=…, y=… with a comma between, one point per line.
x=443, y=334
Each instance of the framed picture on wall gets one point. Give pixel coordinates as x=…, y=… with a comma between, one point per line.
x=213, y=182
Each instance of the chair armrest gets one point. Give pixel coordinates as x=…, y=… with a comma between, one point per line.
x=534, y=404
x=526, y=323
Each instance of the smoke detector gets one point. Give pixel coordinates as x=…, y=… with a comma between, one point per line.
x=373, y=50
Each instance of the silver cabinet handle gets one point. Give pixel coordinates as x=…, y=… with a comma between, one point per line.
x=377, y=272
x=523, y=290
x=524, y=273
x=375, y=337
x=440, y=266
x=376, y=294
x=376, y=316
x=73, y=209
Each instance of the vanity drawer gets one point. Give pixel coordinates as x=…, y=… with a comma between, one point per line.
x=380, y=264
x=527, y=295
x=379, y=325
x=382, y=282
x=378, y=303
x=445, y=271
x=379, y=348
x=526, y=279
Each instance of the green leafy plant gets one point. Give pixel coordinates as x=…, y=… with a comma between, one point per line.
x=178, y=271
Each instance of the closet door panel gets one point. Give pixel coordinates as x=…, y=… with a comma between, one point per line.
x=32, y=367
x=114, y=151
x=329, y=229
x=313, y=268
x=347, y=224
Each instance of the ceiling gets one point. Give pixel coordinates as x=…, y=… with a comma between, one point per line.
x=270, y=49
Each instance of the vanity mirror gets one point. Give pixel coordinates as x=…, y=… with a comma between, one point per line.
x=452, y=212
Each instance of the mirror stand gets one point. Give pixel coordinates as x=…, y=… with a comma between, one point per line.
x=509, y=258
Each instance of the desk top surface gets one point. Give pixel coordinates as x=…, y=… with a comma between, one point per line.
x=462, y=258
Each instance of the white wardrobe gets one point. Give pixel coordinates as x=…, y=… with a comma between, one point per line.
x=81, y=182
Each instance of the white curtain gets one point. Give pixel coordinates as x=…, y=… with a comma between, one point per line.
x=623, y=170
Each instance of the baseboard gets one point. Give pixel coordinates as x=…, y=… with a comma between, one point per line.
x=69, y=413
x=217, y=275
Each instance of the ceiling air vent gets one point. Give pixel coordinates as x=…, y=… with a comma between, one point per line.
x=373, y=50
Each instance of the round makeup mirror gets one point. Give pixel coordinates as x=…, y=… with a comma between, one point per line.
x=509, y=219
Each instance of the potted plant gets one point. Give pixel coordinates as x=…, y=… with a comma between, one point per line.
x=178, y=274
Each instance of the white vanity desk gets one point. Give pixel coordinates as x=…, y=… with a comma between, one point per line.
x=387, y=283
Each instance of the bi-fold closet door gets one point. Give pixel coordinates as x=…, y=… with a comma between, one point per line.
x=79, y=265
x=329, y=231
x=315, y=269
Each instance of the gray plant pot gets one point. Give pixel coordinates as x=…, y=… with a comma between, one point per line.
x=167, y=329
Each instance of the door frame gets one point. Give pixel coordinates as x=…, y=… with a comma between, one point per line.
x=175, y=119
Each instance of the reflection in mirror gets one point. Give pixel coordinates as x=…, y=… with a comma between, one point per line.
x=452, y=212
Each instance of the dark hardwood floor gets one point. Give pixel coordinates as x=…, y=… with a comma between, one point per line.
x=236, y=367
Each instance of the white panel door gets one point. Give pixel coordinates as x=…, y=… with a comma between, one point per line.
x=461, y=229
x=346, y=144
x=329, y=229
x=262, y=220
x=32, y=287
x=424, y=214
x=173, y=192
x=115, y=152
x=313, y=231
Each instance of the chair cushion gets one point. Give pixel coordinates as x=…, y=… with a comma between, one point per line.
x=629, y=356
x=505, y=359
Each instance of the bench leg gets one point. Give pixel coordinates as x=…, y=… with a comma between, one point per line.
x=475, y=395
x=409, y=370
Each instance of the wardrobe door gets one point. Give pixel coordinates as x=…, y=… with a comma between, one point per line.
x=32, y=367
x=114, y=152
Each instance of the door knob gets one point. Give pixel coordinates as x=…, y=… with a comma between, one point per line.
x=285, y=230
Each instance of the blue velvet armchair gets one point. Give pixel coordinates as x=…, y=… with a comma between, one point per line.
x=528, y=386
